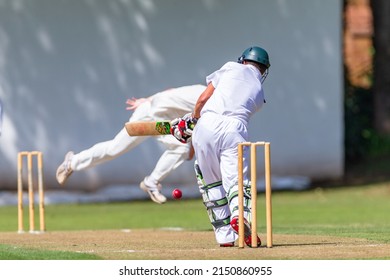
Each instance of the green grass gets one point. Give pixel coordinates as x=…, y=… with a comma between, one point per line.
x=188, y=214
x=359, y=211
x=19, y=253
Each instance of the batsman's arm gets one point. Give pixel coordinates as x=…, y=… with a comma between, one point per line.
x=182, y=128
x=202, y=100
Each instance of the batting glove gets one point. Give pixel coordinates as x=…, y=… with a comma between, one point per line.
x=182, y=128
x=190, y=122
x=179, y=131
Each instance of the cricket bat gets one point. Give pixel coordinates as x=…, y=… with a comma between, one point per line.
x=148, y=128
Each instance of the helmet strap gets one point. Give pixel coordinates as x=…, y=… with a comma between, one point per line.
x=263, y=76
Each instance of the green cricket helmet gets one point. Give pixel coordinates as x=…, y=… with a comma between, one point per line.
x=258, y=55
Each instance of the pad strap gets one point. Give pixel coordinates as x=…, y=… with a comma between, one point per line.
x=221, y=223
x=215, y=203
x=212, y=185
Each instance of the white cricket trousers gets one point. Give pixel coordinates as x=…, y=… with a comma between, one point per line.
x=215, y=140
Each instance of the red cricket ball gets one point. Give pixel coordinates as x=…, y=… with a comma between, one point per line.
x=176, y=194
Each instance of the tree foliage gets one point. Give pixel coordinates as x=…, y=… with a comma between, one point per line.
x=381, y=82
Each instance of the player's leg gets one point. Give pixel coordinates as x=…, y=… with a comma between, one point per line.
x=229, y=170
x=97, y=154
x=215, y=201
x=206, y=143
x=103, y=151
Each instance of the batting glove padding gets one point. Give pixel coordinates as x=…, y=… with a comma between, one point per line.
x=182, y=128
x=178, y=131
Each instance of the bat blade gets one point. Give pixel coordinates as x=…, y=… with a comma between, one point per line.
x=148, y=128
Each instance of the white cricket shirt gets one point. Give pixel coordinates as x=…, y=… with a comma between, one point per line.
x=238, y=91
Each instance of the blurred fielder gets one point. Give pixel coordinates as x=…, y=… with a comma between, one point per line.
x=165, y=105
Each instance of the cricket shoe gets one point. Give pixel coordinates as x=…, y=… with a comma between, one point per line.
x=64, y=170
x=228, y=244
x=154, y=192
x=247, y=231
